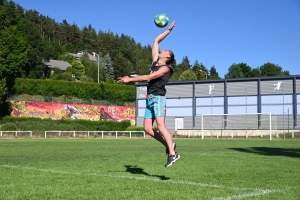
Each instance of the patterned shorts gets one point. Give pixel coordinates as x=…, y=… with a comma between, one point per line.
x=155, y=106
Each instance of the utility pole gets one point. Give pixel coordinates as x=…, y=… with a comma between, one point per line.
x=98, y=66
x=204, y=73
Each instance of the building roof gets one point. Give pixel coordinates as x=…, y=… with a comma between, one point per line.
x=62, y=65
x=80, y=54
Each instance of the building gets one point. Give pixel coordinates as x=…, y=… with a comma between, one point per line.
x=62, y=65
x=79, y=55
x=188, y=101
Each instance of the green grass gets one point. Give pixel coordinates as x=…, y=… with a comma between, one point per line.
x=134, y=169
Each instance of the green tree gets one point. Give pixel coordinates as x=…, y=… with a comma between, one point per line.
x=78, y=68
x=255, y=72
x=184, y=65
x=3, y=88
x=69, y=70
x=9, y=15
x=39, y=50
x=180, y=68
x=89, y=37
x=66, y=57
x=121, y=65
x=200, y=70
x=85, y=78
x=14, y=52
x=270, y=69
x=4, y=105
x=107, y=66
x=240, y=70
x=196, y=69
x=91, y=70
x=213, y=74
x=187, y=76
x=2, y=2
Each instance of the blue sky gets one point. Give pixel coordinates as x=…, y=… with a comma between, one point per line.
x=213, y=32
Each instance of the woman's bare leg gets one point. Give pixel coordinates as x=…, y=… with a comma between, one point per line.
x=148, y=127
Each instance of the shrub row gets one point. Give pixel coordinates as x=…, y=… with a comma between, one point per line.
x=55, y=88
x=36, y=124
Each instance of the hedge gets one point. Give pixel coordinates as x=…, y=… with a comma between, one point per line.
x=83, y=90
x=37, y=124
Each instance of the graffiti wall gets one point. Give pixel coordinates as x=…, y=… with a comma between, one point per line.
x=72, y=111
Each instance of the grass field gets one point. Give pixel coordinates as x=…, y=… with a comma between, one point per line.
x=134, y=169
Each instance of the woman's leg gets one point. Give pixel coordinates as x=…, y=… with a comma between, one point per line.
x=148, y=127
x=160, y=121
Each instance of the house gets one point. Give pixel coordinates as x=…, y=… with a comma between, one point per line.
x=62, y=65
x=80, y=54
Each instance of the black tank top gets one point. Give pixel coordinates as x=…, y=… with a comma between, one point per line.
x=157, y=86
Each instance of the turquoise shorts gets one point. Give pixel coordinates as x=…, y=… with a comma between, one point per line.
x=155, y=106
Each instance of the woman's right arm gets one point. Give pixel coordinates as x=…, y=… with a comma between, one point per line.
x=158, y=39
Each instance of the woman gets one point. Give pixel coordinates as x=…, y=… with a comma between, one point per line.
x=160, y=73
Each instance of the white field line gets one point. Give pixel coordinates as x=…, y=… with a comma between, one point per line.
x=246, y=195
x=183, y=182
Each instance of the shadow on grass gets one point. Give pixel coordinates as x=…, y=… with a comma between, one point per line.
x=269, y=151
x=137, y=170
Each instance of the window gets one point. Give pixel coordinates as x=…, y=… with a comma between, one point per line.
x=242, y=109
x=180, y=111
x=277, y=99
x=277, y=109
x=210, y=101
x=179, y=102
x=242, y=100
x=209, y=110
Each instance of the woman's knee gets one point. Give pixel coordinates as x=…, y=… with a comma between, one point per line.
x=148, y=130
x=161, y=127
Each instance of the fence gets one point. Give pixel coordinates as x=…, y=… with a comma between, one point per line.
x=15, y=133
x=73, y=134
x=181, y=133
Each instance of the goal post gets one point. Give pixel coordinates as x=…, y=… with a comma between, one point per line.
x=235, y=125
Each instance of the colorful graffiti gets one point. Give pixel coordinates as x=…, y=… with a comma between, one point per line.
x=72, y=111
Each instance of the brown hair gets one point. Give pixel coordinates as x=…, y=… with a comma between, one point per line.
x=172, y=57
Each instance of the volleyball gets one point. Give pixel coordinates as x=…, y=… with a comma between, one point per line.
x=161, y=20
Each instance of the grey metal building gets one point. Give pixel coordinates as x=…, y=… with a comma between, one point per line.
x=187, y=101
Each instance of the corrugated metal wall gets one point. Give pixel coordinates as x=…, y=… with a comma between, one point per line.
x=287, y=85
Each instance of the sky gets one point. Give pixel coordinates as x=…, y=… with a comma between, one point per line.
x=215, y=33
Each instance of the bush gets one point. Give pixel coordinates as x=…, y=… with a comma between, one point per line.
x=113, y=126
x=135, y=128
x=9, y=127
x=38, y=124
x=83, y=90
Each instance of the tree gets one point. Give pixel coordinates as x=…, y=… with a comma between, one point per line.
x=91, y=68
x=200, y=70
x=39, y=50
x=4, y=105
x=3, y=88
x=255, y=72
x=269, y=69
x=180, y=68
x=107, y=65
x=56, y=75
x=240, y=70
x=187, y=76
x=185, y=64
x=213, y=74
x=14, y=52
x=89, y=37
x=122, y=66
x=85, y=78
x=78, y=69
x=9, y=15
x=2, y=2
